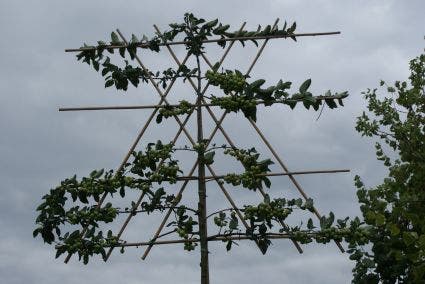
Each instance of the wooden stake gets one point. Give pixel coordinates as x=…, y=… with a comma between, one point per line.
x=202, y=194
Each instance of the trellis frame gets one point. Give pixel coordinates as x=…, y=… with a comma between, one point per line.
x=201, y=177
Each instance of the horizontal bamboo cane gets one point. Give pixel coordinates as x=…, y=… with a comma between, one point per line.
x=145, y=45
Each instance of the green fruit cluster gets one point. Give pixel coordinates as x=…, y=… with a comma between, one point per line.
x=235, y=103
x=247, y=180
x=91, y=215
x=184, y=107
x=267, y=212
x=167, y=173
x=228, y=81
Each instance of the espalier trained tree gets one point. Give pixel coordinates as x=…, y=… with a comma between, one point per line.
x=72, y=214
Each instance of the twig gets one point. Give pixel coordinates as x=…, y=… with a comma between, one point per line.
x=223, y=210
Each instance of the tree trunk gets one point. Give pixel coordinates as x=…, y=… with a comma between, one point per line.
x=202, y=208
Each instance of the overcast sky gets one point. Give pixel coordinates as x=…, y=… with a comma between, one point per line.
x=40, y=146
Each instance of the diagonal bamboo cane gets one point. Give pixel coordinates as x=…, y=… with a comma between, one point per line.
x=212, y=172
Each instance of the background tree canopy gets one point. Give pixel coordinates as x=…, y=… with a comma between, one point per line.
x=395, y=209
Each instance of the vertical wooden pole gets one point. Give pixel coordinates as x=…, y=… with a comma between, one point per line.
x=202, y=203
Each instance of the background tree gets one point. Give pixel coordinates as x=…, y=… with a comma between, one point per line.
x=395, y=209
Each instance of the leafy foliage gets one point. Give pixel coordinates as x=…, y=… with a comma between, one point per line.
x=254, y=169
x=141, y=174
x=145, y=173
x=192, y=31
x=395, y=209
x=244, y=96
x=184, y=107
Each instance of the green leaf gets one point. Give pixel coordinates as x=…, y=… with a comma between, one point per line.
x=304, y=86
x=36, y=232
x=122, y=191
x=134, y=39
x=309, y=205
x=267, y=182
x=263, y=244
x=221, y=29
x=267, y=199
x=422, y=242
x=331, y=103
x=298, y=202
x=292, y=28
x=394, y=230
x=343, y=95
x=105, y=71
x=59, y=251
x=310, y=99
x=216, y=66
x=379, y=219
x=229, y=245
x=331, y=219
x=83, y=197
x=209, y=158
x=96, y=65
x=109, y=83
x=409, y=237
x=369, y=263
x=233, y=224
x=267, y=30
x=257, y=84
x=323, y=223
x=419, y=273
x=222, y=215
x=98, y=174
x=122, y=51
x=211, y=24
x=310, y=225
x=291, y=103
x=85, y=259
x=114, y=38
